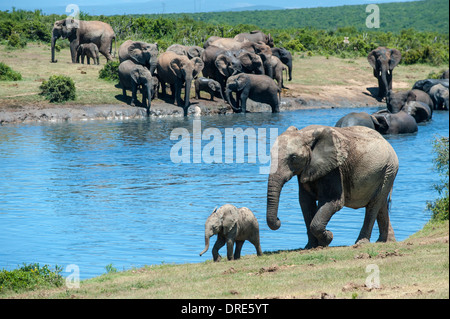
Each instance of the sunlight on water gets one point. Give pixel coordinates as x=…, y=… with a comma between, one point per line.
x=100, y=193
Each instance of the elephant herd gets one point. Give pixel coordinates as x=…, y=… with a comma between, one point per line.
x=247, y=65
x=404, y=109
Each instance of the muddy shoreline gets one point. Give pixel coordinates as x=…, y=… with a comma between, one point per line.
x=159, y=109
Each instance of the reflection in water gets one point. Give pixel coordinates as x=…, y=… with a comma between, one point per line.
x=96, y=193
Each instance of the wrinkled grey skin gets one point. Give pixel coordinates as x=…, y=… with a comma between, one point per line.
x=258, y=87
x=133, y=76
x=189, y=51
x=178, y=71
x=426, y=85
x=421, y=112
x=439, y=95
x=80, y=32
x=286, y=57
x=336, y=167
x=207, y=85
x=395, y=123
x=142, y=53
x=231, y=225
x=90, y=50
x=396, y=101
x=383, y=61
x=358, y=119
x=255, y=36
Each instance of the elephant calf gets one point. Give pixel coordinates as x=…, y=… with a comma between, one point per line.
x=232, y=225
x=208, y=85
x=133, y=76
x=90, y=50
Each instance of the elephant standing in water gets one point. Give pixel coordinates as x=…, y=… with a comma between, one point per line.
x=80, y=32
x=336, y=167
x=231, y=225
x=383, y=62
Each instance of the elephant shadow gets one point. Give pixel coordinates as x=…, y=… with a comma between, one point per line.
x=373, y=92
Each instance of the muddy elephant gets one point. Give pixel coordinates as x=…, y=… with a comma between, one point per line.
x=178, y=71
x=208, y=85
x=396, y=101
x=358, y=119
x=258, y=87
x=335, y=167
x=395, y=123
x=189, y=51
x=232, y=225
x=142, y=53
x=421, y=112
x=90, y=51
x=439, y=96
x=80, y=32
x=383, y=61
x=133, y=76
x=285, y=57
x=255, y=36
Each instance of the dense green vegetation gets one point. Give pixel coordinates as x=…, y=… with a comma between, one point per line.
x=8, y=74
x=58, y=88
x=423, y=39
x=440, y=207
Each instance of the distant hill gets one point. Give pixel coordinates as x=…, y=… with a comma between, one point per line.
x=428, y=15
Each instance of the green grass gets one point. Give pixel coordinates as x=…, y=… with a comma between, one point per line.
x=414, y=268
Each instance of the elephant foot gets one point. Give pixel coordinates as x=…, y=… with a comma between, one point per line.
x=217, y=258
x=362, y=241
x=325, y=239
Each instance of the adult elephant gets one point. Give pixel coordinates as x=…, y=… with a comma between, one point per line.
x=427, y=84
x=335, y=167
x=258, y=87
x=358, y=119
x=80, y=32
x=383, y=62
x=255, y=36
x=192, y=51
x=396, y=101
x=421, y=112
x=395, y=123
x=286, y=57
x=439, y=94
x=178, y=71
x=139, y=52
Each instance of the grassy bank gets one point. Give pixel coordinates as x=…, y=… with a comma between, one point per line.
x=314, y=77
x=414, y=268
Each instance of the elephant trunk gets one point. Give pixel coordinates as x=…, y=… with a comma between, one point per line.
x=149, y=94
x=231, y=101
x=289, y=65
x=208, y=235
x=152, y=66
x=384, y=85
x=276, y=183
x=54, y=38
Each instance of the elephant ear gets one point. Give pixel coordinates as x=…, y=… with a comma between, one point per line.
x=396, y=56
x=246, y=60
x=242, y=81
x=198, y=65
x=372, y=58
x=194, y=52
x=329, y=150
x=222, y=63
x=383, y=123
x=136, y=54
x=230, y=219
x=176, y=66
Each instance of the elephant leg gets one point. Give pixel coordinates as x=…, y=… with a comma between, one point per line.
x=73, y=50
x=372, y=210
x=220, y=242
x=230, y=246
x=88, y=60
x=243, y=99
x=309, y=210
x=133, y=94
x=384, y=224
x=255, y=241
x=237, y=251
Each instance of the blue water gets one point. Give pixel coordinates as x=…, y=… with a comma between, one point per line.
x=97, y=193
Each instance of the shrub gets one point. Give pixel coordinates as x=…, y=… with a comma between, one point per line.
x=439, y=208
x=110, y=71
x=29, y=277
x=58, y=88
x=8, y=74
x=16, y=41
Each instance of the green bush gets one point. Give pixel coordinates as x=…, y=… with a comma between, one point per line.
x=58, y=88
x=439, y=208
x=16, y=41
x=29, y=277
x=110, y=71
x=8, y=74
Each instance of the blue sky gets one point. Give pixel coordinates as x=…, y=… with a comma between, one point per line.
x=168, y=6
